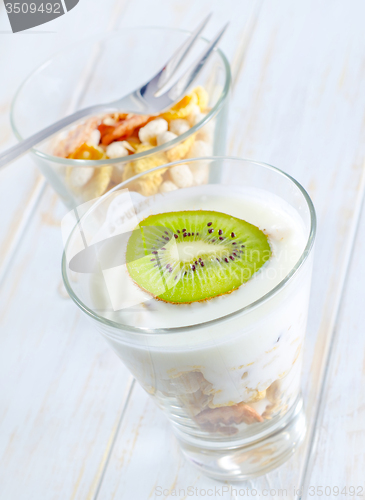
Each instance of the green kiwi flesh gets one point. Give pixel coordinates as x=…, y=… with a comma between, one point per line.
x=190, y=256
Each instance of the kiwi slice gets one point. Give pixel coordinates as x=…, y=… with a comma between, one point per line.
x=184, y=257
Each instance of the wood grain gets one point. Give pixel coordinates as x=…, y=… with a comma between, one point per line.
x=298, y=104
x=338, y=456
x=62, y=389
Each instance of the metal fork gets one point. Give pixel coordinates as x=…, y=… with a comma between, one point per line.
x=148, y=99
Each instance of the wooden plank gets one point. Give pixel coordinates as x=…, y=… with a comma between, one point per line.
x=316, y=133
x=62, y=389
x=338, y=454
x=298, y=104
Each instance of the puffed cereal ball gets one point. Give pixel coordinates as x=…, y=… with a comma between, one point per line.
x=199, y=149
x=80, y=176
x=179, y=126
x=116, y=150
x=167, y=187
x=194, y=112
x=200, y=173
x=165, y=137
x=206, y=132
x=182, y=176
x=152, y=129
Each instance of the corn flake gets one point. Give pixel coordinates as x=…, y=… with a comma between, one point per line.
x=202, y=96
x=182, y=109
x=178, y=152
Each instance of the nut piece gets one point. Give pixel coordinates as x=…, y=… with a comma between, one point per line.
x=179, y=126
x=182, y=176
x=228, y=415
x=165, y=137
x=152, y=129
x=167, y=187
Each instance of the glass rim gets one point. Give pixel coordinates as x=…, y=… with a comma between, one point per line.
x=157, y=149
x=244, y=310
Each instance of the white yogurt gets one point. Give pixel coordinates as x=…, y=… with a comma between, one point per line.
x=252, y=358
x=271, y=214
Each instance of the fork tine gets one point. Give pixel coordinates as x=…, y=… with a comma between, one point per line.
x=181, y=53
x=180, y=87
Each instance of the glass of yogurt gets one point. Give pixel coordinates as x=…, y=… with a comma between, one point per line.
x=203, y=293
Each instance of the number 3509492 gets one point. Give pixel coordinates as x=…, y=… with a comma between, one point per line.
x=49, y=8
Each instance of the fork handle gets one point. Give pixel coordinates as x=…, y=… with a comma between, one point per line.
x=24, y=146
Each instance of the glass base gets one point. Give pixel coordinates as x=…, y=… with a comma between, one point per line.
x=249, y=458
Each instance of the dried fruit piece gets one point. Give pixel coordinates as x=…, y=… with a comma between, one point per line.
x=122, y=130
x=228, y=415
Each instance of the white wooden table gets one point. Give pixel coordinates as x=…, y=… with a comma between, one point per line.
x=72, y=423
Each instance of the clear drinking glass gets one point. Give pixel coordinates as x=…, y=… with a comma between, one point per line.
x=230, y=384
x=102, y=69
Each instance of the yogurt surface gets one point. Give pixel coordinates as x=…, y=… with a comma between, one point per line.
x=275, y=217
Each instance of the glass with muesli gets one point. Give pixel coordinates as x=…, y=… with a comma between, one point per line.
x=90, y=158
x=203, y=292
